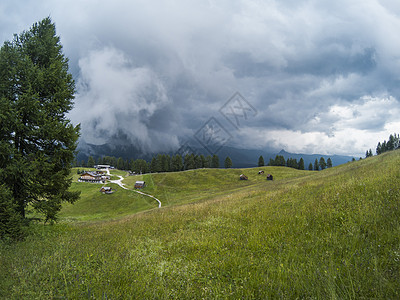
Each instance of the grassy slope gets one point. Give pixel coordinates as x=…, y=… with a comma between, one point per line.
x=170, y=188
x=94, y=205
x=330, y=234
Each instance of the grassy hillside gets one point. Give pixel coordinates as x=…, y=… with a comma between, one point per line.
x=200, y=184
x=328, y=234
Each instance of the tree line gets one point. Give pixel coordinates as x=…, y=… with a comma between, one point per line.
x=279, y=160
x=393, y=143
x=159, y=163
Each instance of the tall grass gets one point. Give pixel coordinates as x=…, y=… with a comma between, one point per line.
x=331, y=234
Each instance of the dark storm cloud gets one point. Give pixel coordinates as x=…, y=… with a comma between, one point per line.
x=321, y=74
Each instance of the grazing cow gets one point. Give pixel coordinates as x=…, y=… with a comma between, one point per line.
x=260, y=172
x=270, y=177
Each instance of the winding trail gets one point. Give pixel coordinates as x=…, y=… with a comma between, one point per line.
x=119, y=182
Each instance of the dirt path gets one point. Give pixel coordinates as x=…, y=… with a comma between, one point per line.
x=119, y=182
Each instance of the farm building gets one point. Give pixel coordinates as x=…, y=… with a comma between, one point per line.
x=106, y=190
x=243, y=177
x=270, y=177
x=93, y=177
x=140, y=184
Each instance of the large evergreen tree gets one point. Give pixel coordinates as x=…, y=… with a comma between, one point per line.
x=329, y=163
x=261, y=161
x=176, y=163
x=215, y=161
x=316, y=165
x=189, y=161
x=228, y=163
x=300, y=166
x=91, y=162
x=322, y=163
x=37, y=141
x=120, y=163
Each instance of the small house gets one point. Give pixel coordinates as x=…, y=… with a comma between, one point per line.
x=270, y=177
x=106, y=190
x=140, y=184
x=243, y=177
x=102, y=166
x=260, y=172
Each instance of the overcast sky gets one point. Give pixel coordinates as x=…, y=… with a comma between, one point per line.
x=312, y=76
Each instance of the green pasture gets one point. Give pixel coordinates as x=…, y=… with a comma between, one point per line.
x=333, y=234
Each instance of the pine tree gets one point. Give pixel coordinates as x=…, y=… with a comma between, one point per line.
x=322, y=163
x=120, y=163
x=271, y=162
x=378, y=148
x=215, y=161
x=310, y=167
x=301, y=164
x=189, y=162
x=176, y=163
x=228, y=162
x=153, y=165
x=261, y=161
x=316, y=165
x=198, y=162
x=203, y=161
x=208, y=161
x=329, y=162
x=36, y=93
x=167, y=163
x=91, y=162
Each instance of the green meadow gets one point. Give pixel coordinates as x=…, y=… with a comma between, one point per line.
x=332, y=234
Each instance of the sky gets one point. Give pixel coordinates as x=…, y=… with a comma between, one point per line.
x=305, y=76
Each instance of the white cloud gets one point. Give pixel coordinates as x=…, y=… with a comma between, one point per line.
x=354, y=128
x=116, y=98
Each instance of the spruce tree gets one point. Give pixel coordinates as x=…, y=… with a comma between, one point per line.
x=153, y=165
x=208, y=161
x=261, y=161
x=228, y=162
x=301, y=164
x=316, y=165
x=322, y=163
x=120, y=163
x=198, y=163
x=37, y=140
x=215, y=161
x=329, y=163
x=176, y=163
x=91, y=162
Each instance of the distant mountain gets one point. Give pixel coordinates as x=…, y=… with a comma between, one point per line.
x=122, y=150
x=310, y=158
x=245, y=158
x=241, y=158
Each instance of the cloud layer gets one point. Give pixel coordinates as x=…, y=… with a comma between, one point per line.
x=323, y=76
